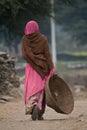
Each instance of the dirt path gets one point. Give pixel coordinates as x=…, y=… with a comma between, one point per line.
x=12, y=117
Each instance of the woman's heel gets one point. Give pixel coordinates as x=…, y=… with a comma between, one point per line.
x=35, y=113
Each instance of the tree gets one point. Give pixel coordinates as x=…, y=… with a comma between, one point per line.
x=15, y=13
x=71, y=14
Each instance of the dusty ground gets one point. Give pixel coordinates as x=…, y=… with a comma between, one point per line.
x=12, y=117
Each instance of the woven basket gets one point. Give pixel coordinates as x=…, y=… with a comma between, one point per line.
x=58, y=95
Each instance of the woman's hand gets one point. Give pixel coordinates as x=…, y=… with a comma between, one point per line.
x=52, y=71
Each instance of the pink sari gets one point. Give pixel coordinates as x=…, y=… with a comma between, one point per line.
x=34, y=87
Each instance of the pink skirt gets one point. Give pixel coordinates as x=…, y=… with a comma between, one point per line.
x=33, y=82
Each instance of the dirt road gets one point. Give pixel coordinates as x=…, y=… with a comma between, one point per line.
x=12, y=117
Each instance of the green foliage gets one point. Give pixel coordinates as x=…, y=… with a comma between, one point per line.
x=71, y=14
x=15, y=13
x=76, y=53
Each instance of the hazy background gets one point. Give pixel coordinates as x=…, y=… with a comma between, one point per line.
x=71, y=32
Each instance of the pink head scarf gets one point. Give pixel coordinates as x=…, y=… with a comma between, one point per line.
x=31, y=27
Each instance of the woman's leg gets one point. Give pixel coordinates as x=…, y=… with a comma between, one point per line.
x=42, y=111
x=39, y=109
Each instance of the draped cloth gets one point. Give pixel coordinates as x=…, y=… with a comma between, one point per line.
x=35, y=51
x=34, y=85
x=39, y=67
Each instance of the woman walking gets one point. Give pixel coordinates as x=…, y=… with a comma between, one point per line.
x=39, y=68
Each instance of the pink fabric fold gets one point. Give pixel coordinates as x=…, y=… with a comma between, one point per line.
x=31, y=27
x=33, y=82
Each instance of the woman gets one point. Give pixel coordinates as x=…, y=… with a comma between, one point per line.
x=39, y=68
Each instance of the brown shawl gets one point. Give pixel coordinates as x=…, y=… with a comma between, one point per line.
x=35, y=51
